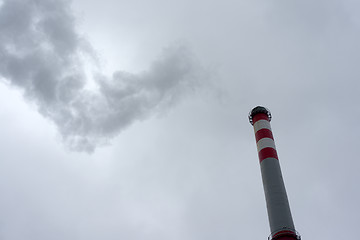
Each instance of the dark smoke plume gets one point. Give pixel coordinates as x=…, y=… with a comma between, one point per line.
x=42, y=54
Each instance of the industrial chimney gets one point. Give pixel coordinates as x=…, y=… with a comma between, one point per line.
x=281, y=222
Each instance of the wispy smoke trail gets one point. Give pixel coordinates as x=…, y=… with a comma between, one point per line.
x=41, y=51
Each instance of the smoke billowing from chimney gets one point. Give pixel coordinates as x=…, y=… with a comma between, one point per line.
x=42, y=53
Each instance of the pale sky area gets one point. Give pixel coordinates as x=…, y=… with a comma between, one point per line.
x=129, y=119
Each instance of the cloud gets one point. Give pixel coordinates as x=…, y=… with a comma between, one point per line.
x=42, y=53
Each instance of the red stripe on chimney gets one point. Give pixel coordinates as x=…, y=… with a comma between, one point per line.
x=267, y=153
x=260, y=116
x=263, y=133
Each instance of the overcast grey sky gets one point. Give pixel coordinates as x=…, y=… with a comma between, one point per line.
x=128, y=119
